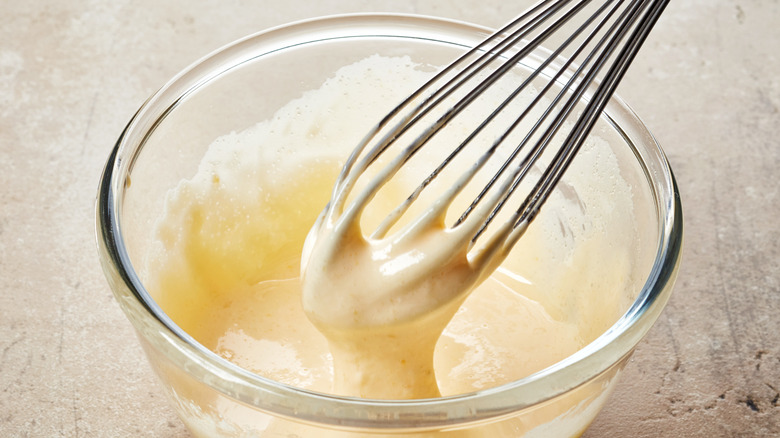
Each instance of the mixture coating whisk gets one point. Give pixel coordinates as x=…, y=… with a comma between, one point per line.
x=592, y=43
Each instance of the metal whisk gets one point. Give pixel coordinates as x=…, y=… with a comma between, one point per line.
x=593, y=43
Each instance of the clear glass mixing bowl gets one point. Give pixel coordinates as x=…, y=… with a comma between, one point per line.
x=247, y=81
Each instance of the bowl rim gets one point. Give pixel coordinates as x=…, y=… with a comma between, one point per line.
x=284, y=400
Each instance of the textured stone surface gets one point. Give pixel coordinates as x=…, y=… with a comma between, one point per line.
x=72, y=73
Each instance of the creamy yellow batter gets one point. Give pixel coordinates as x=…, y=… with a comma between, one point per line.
x=227, y=265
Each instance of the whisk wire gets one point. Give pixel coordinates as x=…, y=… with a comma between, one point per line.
x=603, y=50
x=390, y=220
x=526, y=164
x=509, y=47
x=595, y=106
x=343, y=185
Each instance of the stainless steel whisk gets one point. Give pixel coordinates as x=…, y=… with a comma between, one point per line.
x=597, y=41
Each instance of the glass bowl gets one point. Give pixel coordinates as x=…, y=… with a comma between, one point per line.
x=247, y=81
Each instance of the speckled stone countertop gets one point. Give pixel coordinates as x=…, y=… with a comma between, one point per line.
x=72, y=73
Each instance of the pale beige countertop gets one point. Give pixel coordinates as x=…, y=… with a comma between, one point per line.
x=73, y=72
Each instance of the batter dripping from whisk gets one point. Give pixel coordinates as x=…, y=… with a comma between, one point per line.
x=227, y=268
x=383, y=301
